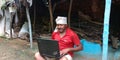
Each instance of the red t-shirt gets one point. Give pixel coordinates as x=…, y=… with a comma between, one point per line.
x=68, y=40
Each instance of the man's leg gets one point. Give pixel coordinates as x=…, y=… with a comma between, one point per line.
x=66, y=57
x=38, y=56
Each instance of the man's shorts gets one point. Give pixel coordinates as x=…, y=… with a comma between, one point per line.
x=68, y=57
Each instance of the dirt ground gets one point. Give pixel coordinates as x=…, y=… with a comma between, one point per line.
x=16, y=49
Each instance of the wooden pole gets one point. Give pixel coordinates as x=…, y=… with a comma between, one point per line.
x=4, y=21
x=69, y=12
x=34, y=15
x=11, y=24
x=51, y=14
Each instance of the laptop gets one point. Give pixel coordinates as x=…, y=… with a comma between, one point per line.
x=48, y=48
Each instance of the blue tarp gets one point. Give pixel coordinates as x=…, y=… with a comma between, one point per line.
x=90, y=48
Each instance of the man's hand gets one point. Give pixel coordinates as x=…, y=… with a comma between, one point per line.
x=64, y=51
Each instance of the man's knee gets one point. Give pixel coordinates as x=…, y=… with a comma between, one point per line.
x=63, y=58
x=38, y=56
x=66, y=57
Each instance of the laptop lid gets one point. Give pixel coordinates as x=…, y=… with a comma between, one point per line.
x=49, y=48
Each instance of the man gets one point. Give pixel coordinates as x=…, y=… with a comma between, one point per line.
x=67, y=40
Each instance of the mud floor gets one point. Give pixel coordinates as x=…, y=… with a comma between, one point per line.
x=16, y=49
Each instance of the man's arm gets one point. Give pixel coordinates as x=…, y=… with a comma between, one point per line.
x=74, y=49
x=77, y=48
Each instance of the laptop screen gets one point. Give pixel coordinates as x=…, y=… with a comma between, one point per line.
x=49, y=48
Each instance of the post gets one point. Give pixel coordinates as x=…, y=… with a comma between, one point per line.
x=106, y=30
x=30, y=28
x=34, y=15
x=51, y=14
x=69, y=12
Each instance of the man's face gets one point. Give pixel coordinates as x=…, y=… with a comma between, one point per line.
x=61, y=27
